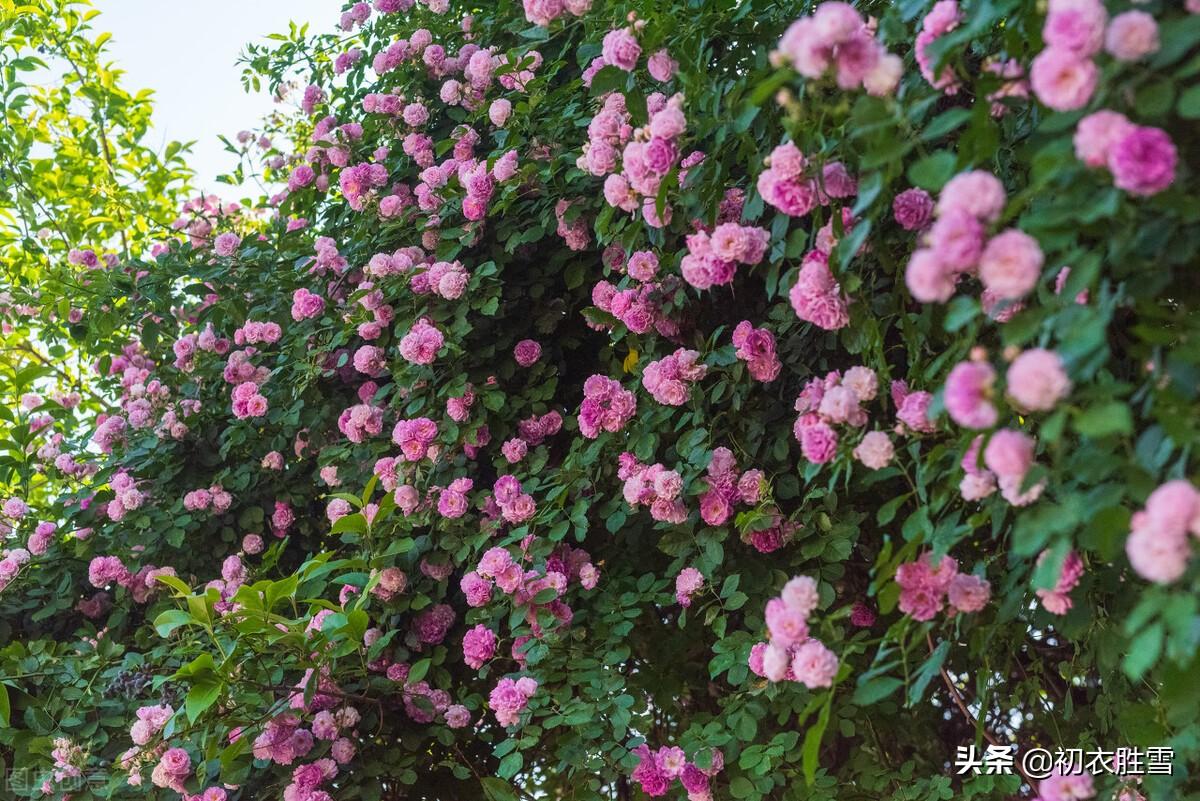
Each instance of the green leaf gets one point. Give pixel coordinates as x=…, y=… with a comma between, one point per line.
x=545, y=596
x=203, y=694
x=419, y=670
x=608, y=79
x=1108, y=418
x=170, y=620
x=498, y=789
x=876, y=689
x=510, y=765
x=1188, y=105
x=1143, y=651
x=933, y=171
x=741, y=787
x=944, y=123
x=931, y=667
x=175, y=584
x=812, y=741
x=355, y=523
x=5, y=706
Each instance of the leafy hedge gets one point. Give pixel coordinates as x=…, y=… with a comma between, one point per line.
x=731, y=399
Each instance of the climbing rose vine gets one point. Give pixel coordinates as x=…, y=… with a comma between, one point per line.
x=605, y=399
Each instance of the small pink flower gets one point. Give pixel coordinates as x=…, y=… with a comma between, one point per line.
x=814, y=665
x=1143, y=161
x=875, y=451
x=1037, y=381
x=1131, y=36
x=968, y=393
x=1063, y=80
x=913, y=209
x=1097, y=133
x=527, y=352
x=1011, y=264
x=226, y=244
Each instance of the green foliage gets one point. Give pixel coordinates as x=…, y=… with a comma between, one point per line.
x=632, y=666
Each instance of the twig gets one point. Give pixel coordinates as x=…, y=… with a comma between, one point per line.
x=956, y=696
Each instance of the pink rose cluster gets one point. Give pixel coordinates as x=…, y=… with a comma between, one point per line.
x=360, y=182
x=1157, y=545
x=1008, y=264
x=452, y=500
x=833, y=400
x=943, y=18
x=543, y=12
x=415, y=437
x=307, y=780
x=11, y=563
x=687, y=584
x=392, y=582
x=1141, y=159
x=446, y=279
x=400, y=262
x=214, y=498
x=361, y=421
x=173, y=769
x=817, y=297
x=652, y=486
x=306, y=305
x=1064, y=75
x=608, y=132
x=789, y=185
x=1057, y=599
x=1007, y=460
x=791, y=654
x=607, y=406
x=646, y=154
x=925, y=588
x=669, y=379
x=150, y=721
x=1036, y=381
x=574, y=232
x=638, y=307
x=836, y=36
x=536, y=428
x=126, y=496
x=248, y=401
x=283, y=740
x=511, y=502
x=510, y=697
x=712, y=258
x=498, y=568
x=422, y=343
x=727, y=487
x=756, y=347
x=253, y=333
x=479, y=646
x=912, y=409
x=656, y=770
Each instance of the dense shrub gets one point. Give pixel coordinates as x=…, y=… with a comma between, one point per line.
x=708, y=398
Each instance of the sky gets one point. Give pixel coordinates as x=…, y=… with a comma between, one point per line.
x=187, y=53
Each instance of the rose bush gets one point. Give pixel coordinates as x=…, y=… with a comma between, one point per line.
x=707, y=398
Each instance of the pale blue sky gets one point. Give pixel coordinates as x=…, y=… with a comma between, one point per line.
x=187, y=53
